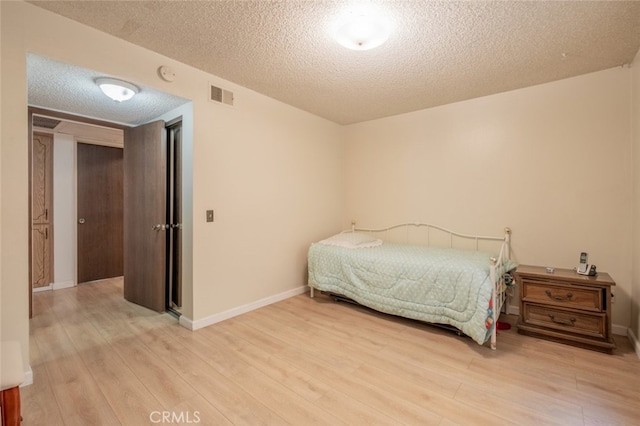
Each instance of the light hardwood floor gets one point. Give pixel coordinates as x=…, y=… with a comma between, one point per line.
x=99, y=360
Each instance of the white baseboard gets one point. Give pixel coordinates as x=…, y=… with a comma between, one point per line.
x=64, y=284
x=634, y=341
x=28, y=377
x=55, y=286
x=619, y=330
x=45, y=288
x=210, y=320
x=186, y=322
x=513, y=309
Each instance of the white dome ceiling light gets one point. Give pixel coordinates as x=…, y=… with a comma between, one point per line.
x=362, y=30
x=117, y=90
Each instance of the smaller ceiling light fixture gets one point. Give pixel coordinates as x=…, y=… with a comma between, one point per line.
x=362, y=31
x=117, y=90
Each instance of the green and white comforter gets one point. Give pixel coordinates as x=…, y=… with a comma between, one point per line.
x=437, y=285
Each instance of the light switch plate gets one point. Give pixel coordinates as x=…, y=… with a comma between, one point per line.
x=209, y=215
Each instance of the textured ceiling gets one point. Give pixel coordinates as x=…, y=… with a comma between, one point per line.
x=63, y=87
x=440, y=51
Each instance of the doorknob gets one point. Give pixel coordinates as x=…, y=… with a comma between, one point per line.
x=81, y=220
x=159, y=227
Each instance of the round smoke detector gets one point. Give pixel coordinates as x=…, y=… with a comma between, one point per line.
x=167, y=73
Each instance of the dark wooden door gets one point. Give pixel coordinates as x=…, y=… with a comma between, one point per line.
x=145, y=212
x=100, y=212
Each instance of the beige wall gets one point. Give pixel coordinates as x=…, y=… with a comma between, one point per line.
x=553, y=162
x=13, y=192
x=1, y=156
x=276, y=188
x=635, y=290
x=272, y=173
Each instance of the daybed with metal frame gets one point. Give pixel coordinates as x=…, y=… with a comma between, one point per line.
x=434, y=275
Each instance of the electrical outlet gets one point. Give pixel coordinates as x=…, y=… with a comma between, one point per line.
x=209, y=215
x=613, y=298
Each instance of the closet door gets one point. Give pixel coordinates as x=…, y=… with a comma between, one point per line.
x=145, y=213
x=100, y=212
x=41, y=210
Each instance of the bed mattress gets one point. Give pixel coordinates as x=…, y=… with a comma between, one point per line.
x=437, y=285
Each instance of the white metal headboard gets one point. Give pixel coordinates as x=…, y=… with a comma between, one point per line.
x=506, y=239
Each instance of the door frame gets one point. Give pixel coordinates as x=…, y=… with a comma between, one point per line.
x=63, y=117
x=185, y=112
x=174, y=192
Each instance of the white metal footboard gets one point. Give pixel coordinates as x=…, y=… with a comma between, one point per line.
x=499, y=286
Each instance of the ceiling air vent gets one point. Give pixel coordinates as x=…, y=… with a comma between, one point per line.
x=216, y=94
x=44, y=122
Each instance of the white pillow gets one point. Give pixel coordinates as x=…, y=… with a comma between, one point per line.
x=352, y=240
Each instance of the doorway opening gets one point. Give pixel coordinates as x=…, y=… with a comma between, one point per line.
x=96, y=184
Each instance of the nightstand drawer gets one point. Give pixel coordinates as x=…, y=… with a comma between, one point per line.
x=563, y=305
x=586, y=323
x=557, y=294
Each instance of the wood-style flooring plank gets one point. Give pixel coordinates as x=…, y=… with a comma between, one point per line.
x=195, y=411
x=363, y=391
x=513, y=410
x=306, y=361
x=81, y=402
x=44, y=409
x=157, y=375
x=353, y=412
x=230, y=399
x=284, y=402
x=294, y=379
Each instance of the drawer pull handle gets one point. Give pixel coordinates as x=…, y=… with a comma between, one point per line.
x=559, y=298
x=570, y=322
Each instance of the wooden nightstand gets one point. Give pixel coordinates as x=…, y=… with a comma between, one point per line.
x=566, y=306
